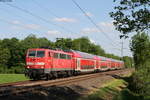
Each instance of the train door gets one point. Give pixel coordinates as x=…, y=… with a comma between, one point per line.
x=78, y=64
x=95, y=65
x=50, y=60
x=115, y=65
x=99, y=65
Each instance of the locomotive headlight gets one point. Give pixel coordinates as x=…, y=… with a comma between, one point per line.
x=40, y=63
x=42, y=67
x=28, y=66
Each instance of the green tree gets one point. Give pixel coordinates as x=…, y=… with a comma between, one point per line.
x=4, y=56
x=134, y=16
x=63, y=43
x=30, y=41
x=140, y=46
x=14, y=47
x=96, y=49
x=44, y=42
x=128, y=61
x=112, y=56
x=131, y=15
x=81, y=44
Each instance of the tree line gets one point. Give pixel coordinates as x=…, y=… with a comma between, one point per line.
x=140, y=80
x=133, y=16
x=13, y=51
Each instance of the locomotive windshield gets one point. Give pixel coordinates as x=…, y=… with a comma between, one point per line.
x=36, y=53
x=40, y=54
x=31, y=53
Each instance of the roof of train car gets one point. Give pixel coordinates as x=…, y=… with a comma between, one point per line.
x=90, y=56
x=81, y=54
x=56, y=51
x=84, y=55
x=102, y=58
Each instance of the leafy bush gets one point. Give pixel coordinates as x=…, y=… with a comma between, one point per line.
x=12, y=70
x=137, y=82
x=126, y=94
x=140, y=80
x=3, y=69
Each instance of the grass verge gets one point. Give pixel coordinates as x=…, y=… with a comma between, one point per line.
x=107, y=91
x=7, y=78
x=116, y=89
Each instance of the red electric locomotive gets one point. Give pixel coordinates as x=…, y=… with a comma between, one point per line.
x=47, y=62
x=41, y=62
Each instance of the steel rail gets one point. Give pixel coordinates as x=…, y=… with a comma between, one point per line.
x=16, y=88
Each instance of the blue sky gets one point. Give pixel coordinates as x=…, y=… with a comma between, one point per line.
x=61, y=18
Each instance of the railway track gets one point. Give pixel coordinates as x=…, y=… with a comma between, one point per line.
x=13, y=83
x=24, y=86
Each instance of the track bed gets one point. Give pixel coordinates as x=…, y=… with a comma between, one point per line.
x=77, y=84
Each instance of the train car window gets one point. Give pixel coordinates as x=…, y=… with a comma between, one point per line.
x=31, y=53
x=68, y=57
x=56, y=55
x=40, y=53
x=63, y=56
x=103, y=60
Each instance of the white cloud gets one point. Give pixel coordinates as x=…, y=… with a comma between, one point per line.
x=64, y=19
x=15, y=22
x=53, y=32
x=89, y=30
x=32, y=26
x=89, y=14
x=106, y=24
x=109, y=29
x=16, y=27
x=20, y=25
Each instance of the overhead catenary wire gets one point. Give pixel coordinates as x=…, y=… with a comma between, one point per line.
x=39, y=17
x=29, y=20
x=43, y=19
x=47, y=21
x=92, y=21
x=19, y=25
x=45, y=8
x=50, y=12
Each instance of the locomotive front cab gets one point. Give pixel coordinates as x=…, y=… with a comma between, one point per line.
x=35, y=63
